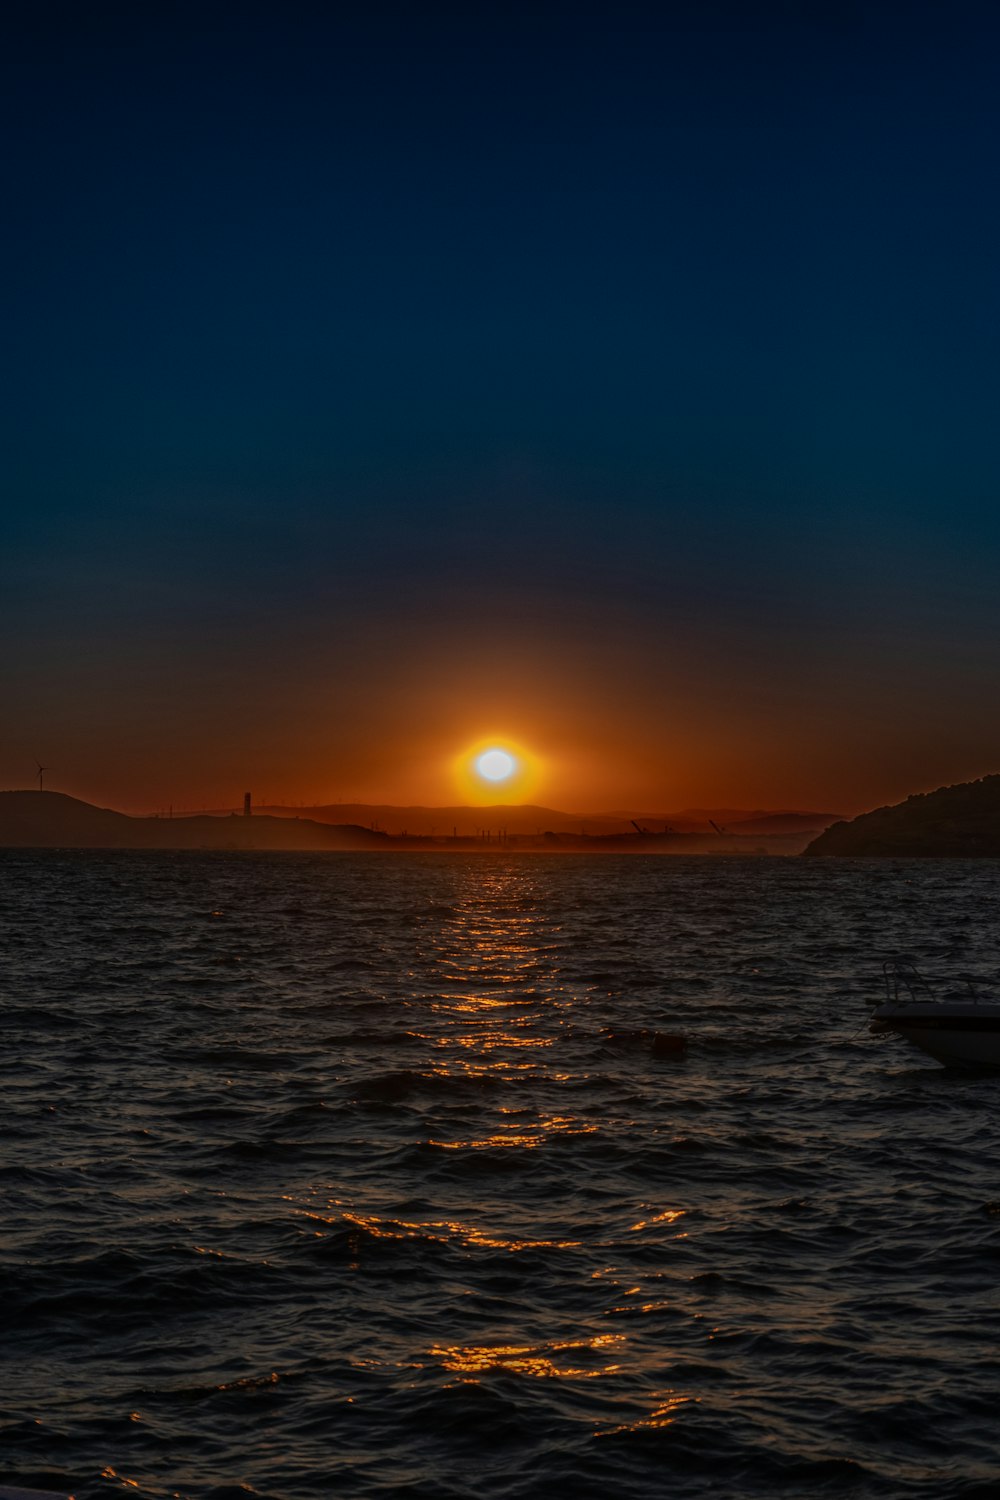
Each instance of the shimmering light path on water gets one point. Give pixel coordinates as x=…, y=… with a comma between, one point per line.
x=358, y=1175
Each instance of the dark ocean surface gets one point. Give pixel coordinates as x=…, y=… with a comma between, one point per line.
x=338, y=1175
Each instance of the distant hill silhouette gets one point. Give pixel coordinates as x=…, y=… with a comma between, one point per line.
x=522, y=818
x=53, y=820
x=30, y=819
x=529, y=819
x=960, y=821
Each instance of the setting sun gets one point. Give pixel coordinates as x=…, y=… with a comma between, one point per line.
x=496, y=765
x=497, y=769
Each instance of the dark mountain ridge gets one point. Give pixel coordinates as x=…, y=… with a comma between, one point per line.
x=961, y=822
x=54, y=820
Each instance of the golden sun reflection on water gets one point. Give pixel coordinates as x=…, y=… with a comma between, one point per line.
x=668, y=1216
x=502, y=1005
x=668, y=1404
x=517, y=1133
x=439, y=1231
x=558, y=1359
x=492, y=1022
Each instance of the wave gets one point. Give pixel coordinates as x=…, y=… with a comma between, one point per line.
x=403, y=1084
x=355, y=1214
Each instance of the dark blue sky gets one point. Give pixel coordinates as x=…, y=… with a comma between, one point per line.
x=621, y=377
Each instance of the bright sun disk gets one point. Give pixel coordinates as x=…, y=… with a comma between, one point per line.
x=496, y=765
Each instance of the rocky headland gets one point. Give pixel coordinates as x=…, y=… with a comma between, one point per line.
x=960, y=822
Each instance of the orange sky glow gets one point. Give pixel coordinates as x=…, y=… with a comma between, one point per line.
x=579, y=750
x=391, y=705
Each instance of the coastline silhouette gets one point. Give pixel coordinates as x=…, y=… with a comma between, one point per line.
x=47, y=819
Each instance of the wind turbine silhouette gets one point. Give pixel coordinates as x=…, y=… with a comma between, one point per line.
x=41, y=772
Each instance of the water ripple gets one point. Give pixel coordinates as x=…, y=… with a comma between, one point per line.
x=490, y=1178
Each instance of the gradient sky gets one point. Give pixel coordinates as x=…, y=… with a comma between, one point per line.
x=617, y=380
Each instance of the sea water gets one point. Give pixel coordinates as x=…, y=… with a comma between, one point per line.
x=366, y=1176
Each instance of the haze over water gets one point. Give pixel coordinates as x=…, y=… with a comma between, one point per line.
x=342, y=1175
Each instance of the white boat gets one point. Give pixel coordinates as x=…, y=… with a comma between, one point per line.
x=959, y=1030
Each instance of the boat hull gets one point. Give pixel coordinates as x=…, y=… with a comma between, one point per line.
x=957, y=1036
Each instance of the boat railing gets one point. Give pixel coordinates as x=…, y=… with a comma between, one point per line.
x=905, y=984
